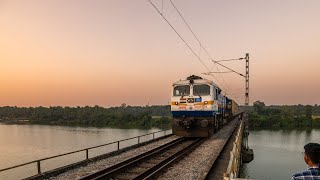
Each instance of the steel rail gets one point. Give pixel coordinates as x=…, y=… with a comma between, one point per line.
x=117, y=168
x=113, y=171
x=157, y=169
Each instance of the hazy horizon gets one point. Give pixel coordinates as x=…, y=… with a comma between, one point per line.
x=144, y=105
x=78, y=53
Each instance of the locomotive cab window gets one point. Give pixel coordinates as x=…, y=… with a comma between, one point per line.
x=181, y=90
x=201, y=90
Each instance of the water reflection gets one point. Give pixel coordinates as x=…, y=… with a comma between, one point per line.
x=308, y=134
x=278, y=153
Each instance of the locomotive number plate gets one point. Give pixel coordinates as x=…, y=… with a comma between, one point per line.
x=182, y=107
x=190, y=100
x=200, y=106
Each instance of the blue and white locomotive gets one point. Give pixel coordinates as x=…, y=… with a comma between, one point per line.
x=198, y=107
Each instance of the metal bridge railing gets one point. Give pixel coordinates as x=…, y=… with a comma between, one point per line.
x=86, y=150
x=235, y=156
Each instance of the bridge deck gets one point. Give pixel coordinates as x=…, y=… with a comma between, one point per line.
x=198, y=163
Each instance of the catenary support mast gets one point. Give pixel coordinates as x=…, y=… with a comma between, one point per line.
x=247, y=81
x=246, y=104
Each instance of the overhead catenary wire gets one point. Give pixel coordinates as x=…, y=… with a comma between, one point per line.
x=198, y=57
x=231, y=59
x=222, y=77
x=228, y=68
x=201, y=45
x=212, y=72
x=175, y=7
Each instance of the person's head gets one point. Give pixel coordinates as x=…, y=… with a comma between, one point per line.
x=312, y=154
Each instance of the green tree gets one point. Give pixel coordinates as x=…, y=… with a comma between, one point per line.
x=308, y=112
x=258, y=106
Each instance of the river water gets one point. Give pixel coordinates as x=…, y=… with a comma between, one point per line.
x=23, y=143
x=278, y=153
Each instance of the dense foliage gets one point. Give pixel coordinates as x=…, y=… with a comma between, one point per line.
x=297, y=116
x=154, y=116
x=122, y=116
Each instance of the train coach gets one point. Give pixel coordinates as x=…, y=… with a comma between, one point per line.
x=198, y=107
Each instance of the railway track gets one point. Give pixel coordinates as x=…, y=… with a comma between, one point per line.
x=149, y=164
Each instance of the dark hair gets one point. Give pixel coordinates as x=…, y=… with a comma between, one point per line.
x=312, y=150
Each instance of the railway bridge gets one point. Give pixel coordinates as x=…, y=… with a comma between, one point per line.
x=162, y=156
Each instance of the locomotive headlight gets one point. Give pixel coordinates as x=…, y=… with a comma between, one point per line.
x=206, y=102
x=176, y=103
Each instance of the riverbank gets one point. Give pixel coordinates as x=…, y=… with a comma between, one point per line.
x=164, y=124
x=283, y=129
x=120, y=117
x=283, y=117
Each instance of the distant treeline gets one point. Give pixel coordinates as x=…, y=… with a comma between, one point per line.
x=122, y=116
x=153, y=116
x=296, y=116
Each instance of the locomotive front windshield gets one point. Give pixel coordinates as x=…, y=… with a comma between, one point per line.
x=181, y=90
x=201, y=90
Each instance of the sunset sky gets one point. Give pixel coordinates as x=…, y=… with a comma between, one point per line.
x=108, y=52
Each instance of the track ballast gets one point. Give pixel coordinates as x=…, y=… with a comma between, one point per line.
x=149, y=164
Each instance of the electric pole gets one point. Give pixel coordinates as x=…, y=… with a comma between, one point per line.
x=247, y=81
x=246, y=104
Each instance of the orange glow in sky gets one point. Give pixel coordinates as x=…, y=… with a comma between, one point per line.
x=77, y=52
